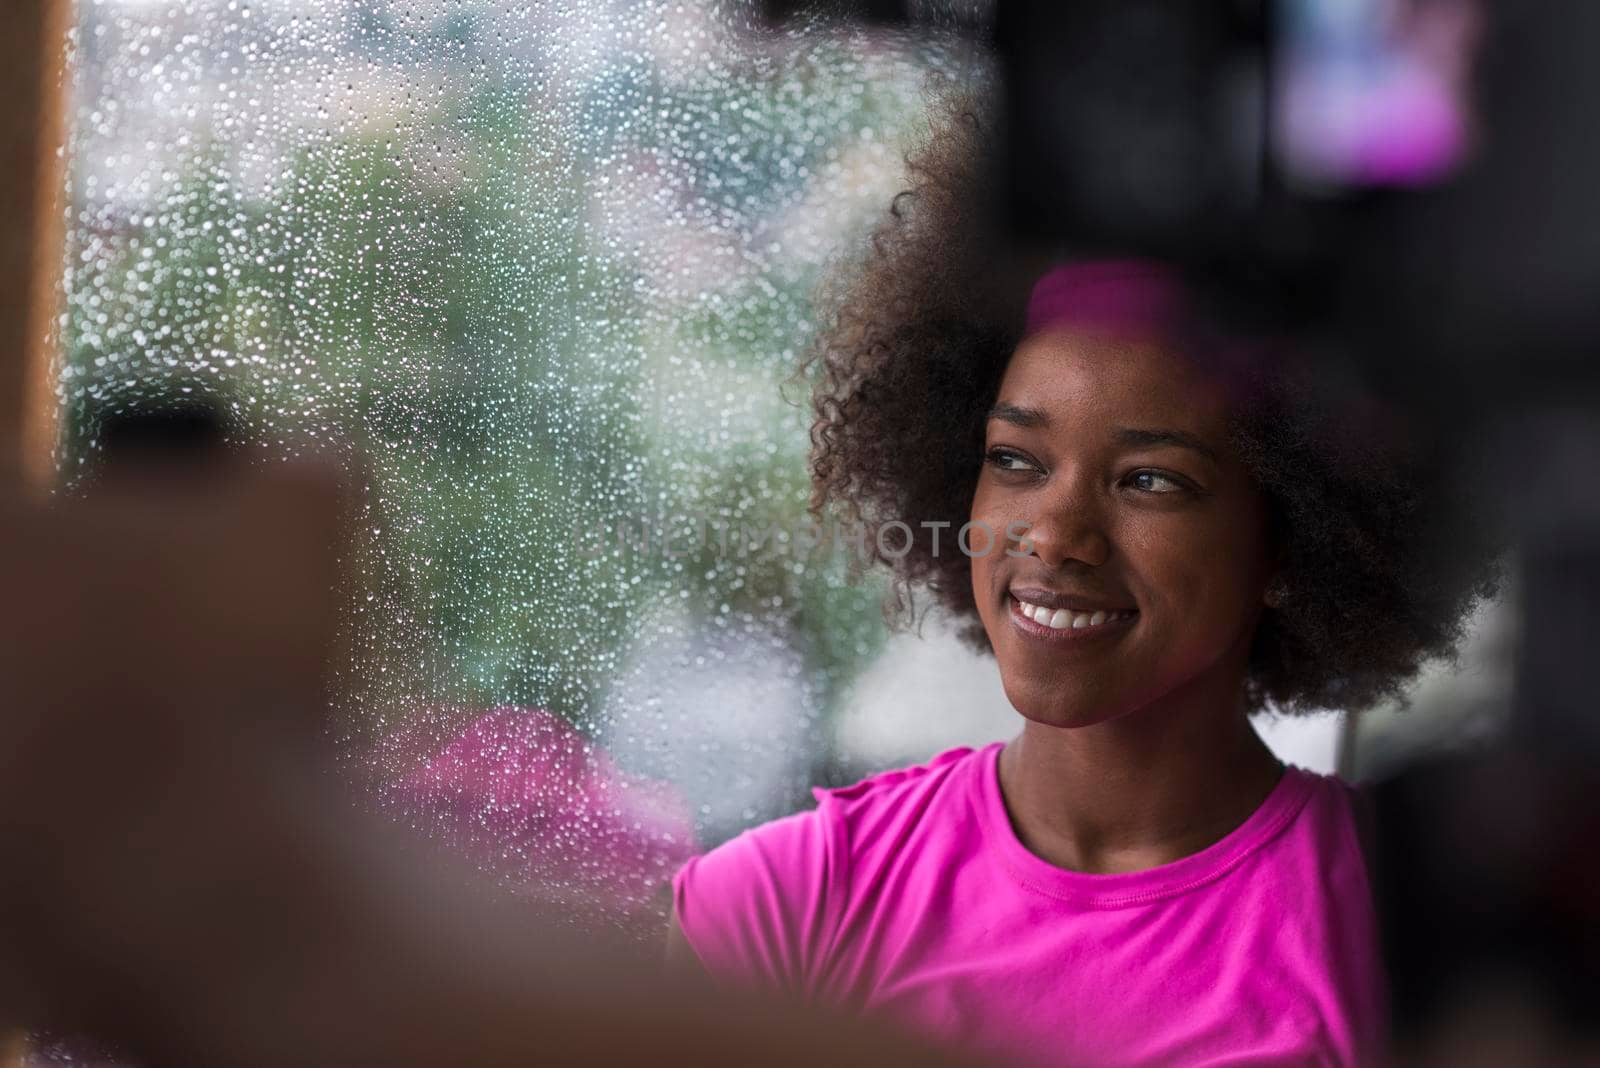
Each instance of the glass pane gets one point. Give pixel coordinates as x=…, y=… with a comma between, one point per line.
x=548, y=266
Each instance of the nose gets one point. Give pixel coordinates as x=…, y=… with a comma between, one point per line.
x=1070, y=526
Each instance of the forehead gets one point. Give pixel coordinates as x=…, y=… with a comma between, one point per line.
x=1122, y=381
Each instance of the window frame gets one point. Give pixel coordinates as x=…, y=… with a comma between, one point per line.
x=33, y=50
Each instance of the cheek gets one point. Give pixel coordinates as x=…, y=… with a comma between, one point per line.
x=983, y=566
x=1205, y=578
x=982, y=504
x=995, y=511
x=984, y=510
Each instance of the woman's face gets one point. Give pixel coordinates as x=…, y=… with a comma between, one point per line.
x=1137, y=553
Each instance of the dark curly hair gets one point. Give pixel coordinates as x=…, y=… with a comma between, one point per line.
x=1385, y=552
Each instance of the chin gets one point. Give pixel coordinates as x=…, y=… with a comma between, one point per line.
x=1063, y=722
x=1051, y=706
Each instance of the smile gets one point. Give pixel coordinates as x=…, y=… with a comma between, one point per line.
x=1064, y=622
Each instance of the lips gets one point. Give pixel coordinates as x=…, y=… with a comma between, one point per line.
x=1055, y=616
x=1041, y=597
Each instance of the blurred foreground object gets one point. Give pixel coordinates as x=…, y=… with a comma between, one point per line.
x=162, y=649
x=186, y=874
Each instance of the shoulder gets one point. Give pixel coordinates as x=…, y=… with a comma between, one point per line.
x=1339, y=829
x=1334, y=826
x=764, y=906
x=1334, y=798
x=1356, y=814
x=892, y=799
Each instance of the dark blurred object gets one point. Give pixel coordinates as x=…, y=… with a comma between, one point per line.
x=174, y=429
x=157, y=436
x=1434, y=219
x=1487, y=871
x=1135, y=126
x=882, y=12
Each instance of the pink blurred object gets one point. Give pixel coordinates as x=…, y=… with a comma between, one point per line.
x=548, y=812
x=1407, y=130
x=1125, y=297
x=1422, y=138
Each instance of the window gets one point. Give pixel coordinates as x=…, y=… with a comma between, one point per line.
x=548, y=267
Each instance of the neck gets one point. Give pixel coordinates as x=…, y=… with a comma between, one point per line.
x=1141, y=790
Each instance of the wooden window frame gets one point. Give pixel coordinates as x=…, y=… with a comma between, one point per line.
x=33, y=40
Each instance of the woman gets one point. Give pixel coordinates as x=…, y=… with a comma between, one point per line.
x=1185, y=529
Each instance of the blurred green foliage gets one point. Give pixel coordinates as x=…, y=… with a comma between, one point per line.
x=440, y=293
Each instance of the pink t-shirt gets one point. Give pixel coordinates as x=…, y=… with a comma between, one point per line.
x=908, y=896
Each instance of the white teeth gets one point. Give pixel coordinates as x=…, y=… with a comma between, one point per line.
x=1066, y=619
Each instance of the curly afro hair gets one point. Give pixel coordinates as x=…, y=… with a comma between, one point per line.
x=1386, y=553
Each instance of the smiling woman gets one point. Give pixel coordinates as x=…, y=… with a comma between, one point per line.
x=1133, y=505
x=1195, y=527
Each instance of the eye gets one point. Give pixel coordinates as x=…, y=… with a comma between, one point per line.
x=1157, y=482
x=1004, y=459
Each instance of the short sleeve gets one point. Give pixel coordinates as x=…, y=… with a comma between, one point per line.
x=759, y=909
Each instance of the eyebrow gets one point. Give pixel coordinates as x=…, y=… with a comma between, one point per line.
x=1180, y=438
x=1029, y=418
x=1034, y=418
